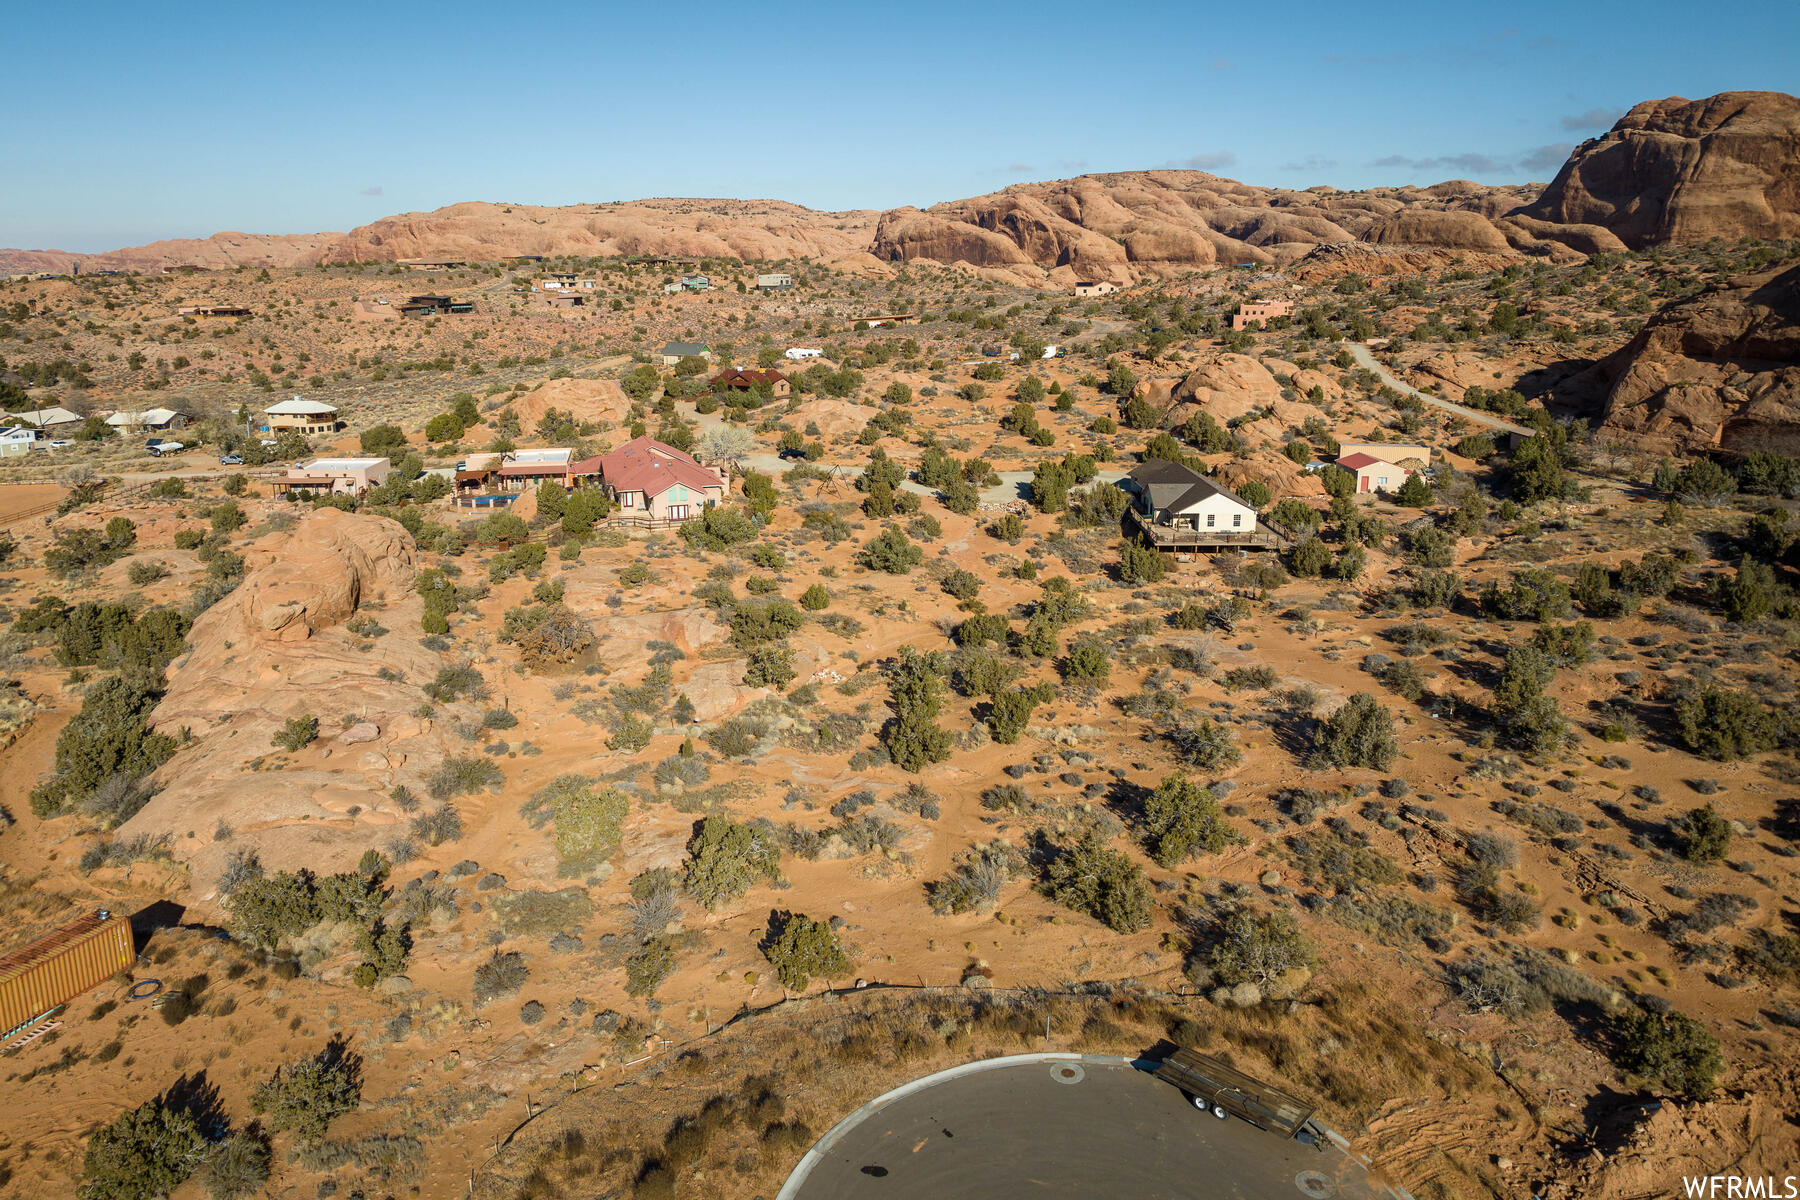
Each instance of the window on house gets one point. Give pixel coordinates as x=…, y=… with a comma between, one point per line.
x=1211, y=520
x=1237, y=519
x=627, y=499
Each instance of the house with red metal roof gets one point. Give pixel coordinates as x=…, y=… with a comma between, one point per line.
x=1374, y=474
x=649, y=479
x=748, y=379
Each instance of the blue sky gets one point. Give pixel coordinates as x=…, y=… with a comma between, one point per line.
x=126, y=123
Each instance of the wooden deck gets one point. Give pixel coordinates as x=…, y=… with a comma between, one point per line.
x=1167, y=537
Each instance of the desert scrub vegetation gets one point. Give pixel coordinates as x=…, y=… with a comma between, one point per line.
x=1267, y=951
x=501, y=975
x=915, y=693
x=146, y=1151
x=799, y=948
x=975, y=881
x=460, y=776
x=1181, y=819
x=726, y=858
x=108, y=737
x=1359, y=734
x=1670, y=1052
x=1091, y=877
x=587, y=824
x=304, y=1097
x=296, y=734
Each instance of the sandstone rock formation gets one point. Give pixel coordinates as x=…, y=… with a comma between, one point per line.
x=1720, y=370
x=276, y=649
x=1671, y=170
x=1681, y=170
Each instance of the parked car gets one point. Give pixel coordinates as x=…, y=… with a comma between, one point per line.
x=231, y=460
x=59, y=443
x=161, y=448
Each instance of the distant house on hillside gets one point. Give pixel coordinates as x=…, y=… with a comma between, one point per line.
x=20, y=439
x=432, y=264
x=1091, y=287
x=564, y=281
x=212, y=310
x=1260, y=312
x=151, y=419
x=774, y=281
x=654, y=480
x=433, y=305
x=689, y=283
x=1406, y=454
x=305, y=417
x=334, y=477
x=674, y=352
x=749, y=379
x=1379, y=472
x=876, y=322
x=53, y=421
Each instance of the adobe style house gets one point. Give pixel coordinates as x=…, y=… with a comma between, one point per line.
x=649, y=479
x=774, y=281
x=1179, y=508
x=334, y=477
x=1091, y=287
x=153, y=419
x=674, y=352
x=749, y=379
x=521, y=470
x=1260, y=312
x=305, y=417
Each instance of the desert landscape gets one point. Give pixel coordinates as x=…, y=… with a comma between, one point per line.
x=575, y=700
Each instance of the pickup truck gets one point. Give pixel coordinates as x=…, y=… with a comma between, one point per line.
x=1224, y=1092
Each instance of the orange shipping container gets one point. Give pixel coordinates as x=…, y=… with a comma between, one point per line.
x=61, y=966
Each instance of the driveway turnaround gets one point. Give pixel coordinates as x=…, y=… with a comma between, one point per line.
x=1062, y=1126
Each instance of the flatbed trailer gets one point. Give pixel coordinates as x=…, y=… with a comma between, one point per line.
x=1225, y=1092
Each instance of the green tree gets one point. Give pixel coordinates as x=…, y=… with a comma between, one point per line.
x=1261, y=949
x=146, y=1152
x=305, y=1096
x=1093, y=878
x=1671, y=1051
x=1721, y=724
x=892, y=551
x=1359, y=734
x=1705, y=835
x=1182, y=819
x=1415, y=492
x=384, y=441
x=725, y=858
x=804, y=948
x=1140, y=564
x=815, y=598
x=915, y=693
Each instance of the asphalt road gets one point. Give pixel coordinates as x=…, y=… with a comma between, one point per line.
x=1023, y=1130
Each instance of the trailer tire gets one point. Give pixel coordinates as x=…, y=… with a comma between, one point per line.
x=1219, y=1111
x=1198, y=1103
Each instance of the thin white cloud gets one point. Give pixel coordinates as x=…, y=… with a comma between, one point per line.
x=371, y=191
x=1469, y=163
x=1593, y=118
x=1203, y=162
x=1546, y=160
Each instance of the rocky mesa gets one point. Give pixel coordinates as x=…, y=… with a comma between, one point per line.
x=1719, y=371
x=1672, y=170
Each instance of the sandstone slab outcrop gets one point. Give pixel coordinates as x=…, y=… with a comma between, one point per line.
x=1719, y=370
x=276, y=649
x=1679, y=170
